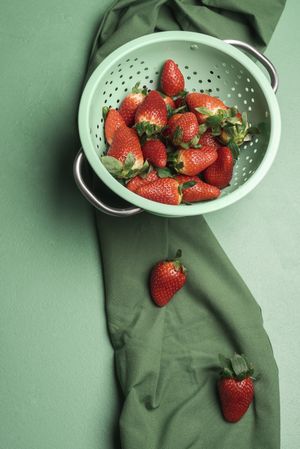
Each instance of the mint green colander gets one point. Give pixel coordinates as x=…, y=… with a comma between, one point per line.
x=207, y=64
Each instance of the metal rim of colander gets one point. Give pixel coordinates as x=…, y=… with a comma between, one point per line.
x=196, y=208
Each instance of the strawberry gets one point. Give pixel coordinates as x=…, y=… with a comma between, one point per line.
x=204, y=105
x=194, y=160
x=186, y=130
x=171, y=80
x=155, y=152
x=126, y=141
x=169, y=102
x=171, y=125
x=198, y=192
x=207, y=139
x=166, y=278
x=124, y=156
x=182, y=179
x=137, y=181
x=235, y=387
x=164, y=190
x=113, y=120
x=219, y=173
x=151, y=115
x=130, y=104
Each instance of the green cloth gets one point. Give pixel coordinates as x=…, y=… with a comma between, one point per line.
x=167, y=359
x=251, y=21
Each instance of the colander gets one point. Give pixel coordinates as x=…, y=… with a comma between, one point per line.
x=208, y=64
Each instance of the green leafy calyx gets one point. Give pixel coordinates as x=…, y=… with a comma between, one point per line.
x=123, y=170
x=236, y=129
x=137, y=90
x=177, y=136
x=147, y=128
x=105, y=110
x=164, y=173
x=237, y=367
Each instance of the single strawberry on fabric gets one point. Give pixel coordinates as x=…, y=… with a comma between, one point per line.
x=219, y=173
x=194, y=160
x=151, y=115
x=184, y=131
x=134, y=183
x=171, y=80
x=163, y=190
x=113, y=120
x=235, y=387
x=130, y=104
x=200, y=191
x=155, y=152
x=208, y=105
x=166, y=278
x=124, y=157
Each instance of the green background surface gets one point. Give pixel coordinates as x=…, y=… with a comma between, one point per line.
x=57, y=384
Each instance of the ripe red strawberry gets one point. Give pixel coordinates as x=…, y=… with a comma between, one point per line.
x=207, y=102
x=164, y=190
x=155, y=152
x=194, y=160
x=184, y=130
x=130, y=104
x=166, y=278
x=151, y=115
x=185, y=178
x=171, y=80
x=124, y=156
x=169, y=102
x=171, y=125
x=199, y=192
x=219, y=174
x=207, y=139
x=235, y=387
x=138, y=181
x=126, y=141
x=113, y=120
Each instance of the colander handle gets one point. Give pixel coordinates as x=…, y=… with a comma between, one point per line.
x=96, y=202
x=261, y=58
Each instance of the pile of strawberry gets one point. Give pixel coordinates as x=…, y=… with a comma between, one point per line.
x=173, y=146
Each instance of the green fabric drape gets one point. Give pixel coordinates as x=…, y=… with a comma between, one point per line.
x=167, y=359
x=252, y=21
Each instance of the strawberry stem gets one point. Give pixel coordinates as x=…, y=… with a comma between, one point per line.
x=177, y=262
x=178, y=254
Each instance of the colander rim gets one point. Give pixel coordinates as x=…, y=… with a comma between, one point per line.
x=196, y=208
